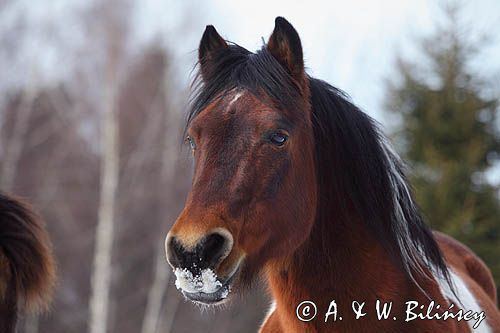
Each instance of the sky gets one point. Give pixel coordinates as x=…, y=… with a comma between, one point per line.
x=351, y=44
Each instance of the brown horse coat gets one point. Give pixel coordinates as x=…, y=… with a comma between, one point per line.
x=27, y=269
x=293, y=181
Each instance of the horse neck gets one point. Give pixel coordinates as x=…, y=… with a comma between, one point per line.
x=340, y=261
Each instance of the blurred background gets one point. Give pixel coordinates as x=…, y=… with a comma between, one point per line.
x=92, y=102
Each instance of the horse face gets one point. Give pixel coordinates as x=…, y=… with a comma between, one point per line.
x=253, y=196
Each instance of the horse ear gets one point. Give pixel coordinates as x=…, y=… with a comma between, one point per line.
x=284, y=44
x=211, y=43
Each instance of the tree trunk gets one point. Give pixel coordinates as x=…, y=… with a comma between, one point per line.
x=101, y=275
x=162, y=270
x=156, y=293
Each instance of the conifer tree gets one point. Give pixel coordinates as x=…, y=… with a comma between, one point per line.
x=450, y=138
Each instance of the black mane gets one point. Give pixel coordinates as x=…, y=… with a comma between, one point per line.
x=356, y=166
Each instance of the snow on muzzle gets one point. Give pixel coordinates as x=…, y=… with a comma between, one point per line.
x=203, y=288
x=194, y=266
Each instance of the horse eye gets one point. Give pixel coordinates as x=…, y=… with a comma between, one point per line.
x=278, y=139
x=192, y=145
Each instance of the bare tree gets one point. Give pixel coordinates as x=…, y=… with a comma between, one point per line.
x=14, y=146
x=114, y=25
x=156, y=294
x=162, y=272
x=96, y=140
x=104, y=232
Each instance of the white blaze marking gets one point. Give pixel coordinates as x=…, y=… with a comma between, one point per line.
x=235, y=98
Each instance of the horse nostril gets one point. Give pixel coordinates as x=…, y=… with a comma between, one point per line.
x=208, y=252
x=175, y=252
x=214, y=248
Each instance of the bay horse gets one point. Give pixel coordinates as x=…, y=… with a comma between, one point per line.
x=293, y=181
x=27, y=269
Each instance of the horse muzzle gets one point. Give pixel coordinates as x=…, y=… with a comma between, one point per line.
x=195, y=266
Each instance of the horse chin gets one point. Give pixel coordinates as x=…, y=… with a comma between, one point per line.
x=216, y=298
x=221, y=295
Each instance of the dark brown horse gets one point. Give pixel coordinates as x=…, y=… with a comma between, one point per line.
x=27, y=270
x=293, y=181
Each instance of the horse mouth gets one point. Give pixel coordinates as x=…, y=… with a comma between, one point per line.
x=212, y=297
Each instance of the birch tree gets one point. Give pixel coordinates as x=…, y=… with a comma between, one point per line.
x=114, y=26
x=162, y=271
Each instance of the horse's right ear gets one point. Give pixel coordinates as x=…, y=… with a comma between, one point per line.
x=210, y=45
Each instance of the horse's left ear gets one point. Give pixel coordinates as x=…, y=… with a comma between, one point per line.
x=284, y=44
x=211, y=43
